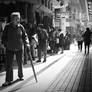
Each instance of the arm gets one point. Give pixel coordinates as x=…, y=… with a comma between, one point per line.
x=4, y=36
x=46, y=34
x=25, y=37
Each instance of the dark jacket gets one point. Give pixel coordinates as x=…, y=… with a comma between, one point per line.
x=14, y=37
x=42, y=36
x=87, y=36
x=61, y=38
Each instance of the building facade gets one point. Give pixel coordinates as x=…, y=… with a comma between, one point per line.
x=32, y=11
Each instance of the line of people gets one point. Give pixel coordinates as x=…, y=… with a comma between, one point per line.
x=44, y=40
x=59, y=42
x=18, y=41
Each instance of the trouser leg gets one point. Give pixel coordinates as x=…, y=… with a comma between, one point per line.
x=45, y=52
x=88, y=47
x=39, y=53
x=85, y=47
x=81, y=46
x=19, y=57
x=9, y=67
x=32, y=52
x=62, y=48
x=78, y=45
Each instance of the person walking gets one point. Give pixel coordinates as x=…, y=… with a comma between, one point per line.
x=57, y=41
x=61, y=38
x=87, y=39
x=42, y=42
x=14, y=38
x=79, y=39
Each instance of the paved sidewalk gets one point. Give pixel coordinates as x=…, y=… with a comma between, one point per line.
x=85, y=84
x=67, y=72
x=68, y=78
x=76, y=76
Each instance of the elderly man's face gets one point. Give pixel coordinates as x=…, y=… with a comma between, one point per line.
x=15, y=20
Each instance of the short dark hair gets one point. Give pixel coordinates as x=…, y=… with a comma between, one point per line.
x=87, y=28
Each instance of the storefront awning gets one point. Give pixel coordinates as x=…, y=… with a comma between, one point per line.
x=44, y=9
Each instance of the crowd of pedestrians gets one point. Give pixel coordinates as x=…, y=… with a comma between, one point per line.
x=42, y=40
x=18, y=38
x=84, y=36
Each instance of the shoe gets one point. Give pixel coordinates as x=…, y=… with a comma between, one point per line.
x=21, y=79
x=33, y=58
x=44, y=61
x=87, y=53
x=6, y=84
x=61, y=52
x=24, y=63
x=38, y=61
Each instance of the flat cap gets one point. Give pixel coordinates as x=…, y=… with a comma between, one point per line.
x=40, y=25
x=15, y=14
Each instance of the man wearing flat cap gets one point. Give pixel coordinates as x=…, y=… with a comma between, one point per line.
x=14, y=38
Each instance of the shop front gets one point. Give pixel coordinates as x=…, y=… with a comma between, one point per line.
x=45, y=15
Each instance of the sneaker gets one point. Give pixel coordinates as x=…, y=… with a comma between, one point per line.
x=6, y=84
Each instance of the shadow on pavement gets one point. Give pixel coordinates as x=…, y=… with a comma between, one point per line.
x=85, y=84
x=20, y=85
x=15, y=81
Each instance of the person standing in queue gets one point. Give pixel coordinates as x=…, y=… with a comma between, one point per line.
x=42, y=42
x=14, y=38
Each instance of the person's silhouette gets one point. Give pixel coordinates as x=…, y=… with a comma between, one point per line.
x=87, y=39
